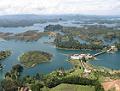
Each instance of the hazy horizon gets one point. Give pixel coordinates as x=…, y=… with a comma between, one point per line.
x=60, y=7
x=58, y=15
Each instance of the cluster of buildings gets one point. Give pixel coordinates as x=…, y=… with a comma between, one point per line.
x=89, y=56
x=80, y=56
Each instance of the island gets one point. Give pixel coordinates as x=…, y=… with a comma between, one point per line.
x=32, y=58
x=73, y=44
x=27, y=36
x=87, y=37
x=4, y=54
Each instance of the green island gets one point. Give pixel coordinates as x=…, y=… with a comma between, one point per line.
x=4, y=54
x=32, y=58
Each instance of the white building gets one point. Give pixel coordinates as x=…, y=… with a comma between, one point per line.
x=75, y=56
x=80, y=56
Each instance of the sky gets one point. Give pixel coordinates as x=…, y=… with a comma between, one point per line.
x=41, y=7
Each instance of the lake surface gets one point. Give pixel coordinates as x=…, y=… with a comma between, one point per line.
x=40, y=26
x=59, y=58
x=19, y=47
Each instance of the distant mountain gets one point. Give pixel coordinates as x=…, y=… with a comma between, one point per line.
x=19, y=20
x=30, y=19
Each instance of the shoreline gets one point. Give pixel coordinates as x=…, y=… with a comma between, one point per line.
x=72, y=49
x=97, y=68
x=102, y=68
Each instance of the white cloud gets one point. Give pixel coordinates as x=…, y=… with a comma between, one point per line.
x=100, y=7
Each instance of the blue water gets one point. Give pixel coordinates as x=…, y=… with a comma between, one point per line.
x=39, y=26
x=108, y=60
x=59, y=58
x=19, y=47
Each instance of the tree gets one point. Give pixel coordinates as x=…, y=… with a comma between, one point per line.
x=36, y=87
x=17, y=68
x=9, y=85
x=7, y=75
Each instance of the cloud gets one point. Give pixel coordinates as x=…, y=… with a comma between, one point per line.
x=100, y=7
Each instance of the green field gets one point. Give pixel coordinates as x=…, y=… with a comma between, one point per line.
x=71, y=87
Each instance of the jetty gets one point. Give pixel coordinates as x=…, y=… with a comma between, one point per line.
x=99, y=53
x=110, y=50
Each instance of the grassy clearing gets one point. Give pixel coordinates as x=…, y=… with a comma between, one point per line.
x=72, y=87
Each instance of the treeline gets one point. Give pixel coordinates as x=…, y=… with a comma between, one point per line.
x=13, y=80
x=107, y=74
x=52, y=82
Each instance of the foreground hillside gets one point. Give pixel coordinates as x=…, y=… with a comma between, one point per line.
x=72, y=87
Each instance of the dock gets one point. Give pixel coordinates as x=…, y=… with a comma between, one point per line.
x=99, y=53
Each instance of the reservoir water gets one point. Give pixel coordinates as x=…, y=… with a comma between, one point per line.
x=59, y=59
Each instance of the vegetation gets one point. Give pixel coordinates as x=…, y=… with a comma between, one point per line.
x=32, y=58
x=53, y=28
x=28, y=36
x=117, y=45
x=76, y=79
x=96, y=36
x=31, y=35
x=9, y=85
x=68, y=42
x=15, y=72
x=105, y=73
x=72, y=87
x=48, y=82
x=4, y=54
x=12, y=79
x=57, y=80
